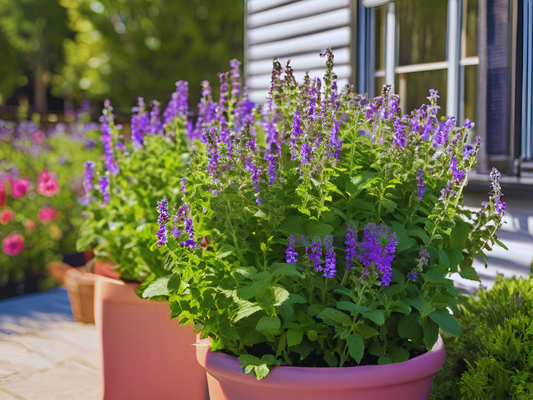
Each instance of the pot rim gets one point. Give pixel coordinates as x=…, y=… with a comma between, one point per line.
x=119, y=291
x=228, y=368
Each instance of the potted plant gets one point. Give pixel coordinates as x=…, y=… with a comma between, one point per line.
x=139, y=342
x=330, y=224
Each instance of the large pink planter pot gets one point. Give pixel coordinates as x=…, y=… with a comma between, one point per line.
x=410, y=380
x=145, y=355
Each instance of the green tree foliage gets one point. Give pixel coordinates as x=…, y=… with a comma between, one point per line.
x=125, y=48
x=31, y=37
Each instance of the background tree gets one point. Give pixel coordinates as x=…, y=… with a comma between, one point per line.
x=122, y=49
x=31, y=37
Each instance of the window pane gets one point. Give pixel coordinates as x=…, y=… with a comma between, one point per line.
x=413, y=89
x=380, y=37
x=380, y=81
x=422, y=25
x=470, y=96
x=471, y=27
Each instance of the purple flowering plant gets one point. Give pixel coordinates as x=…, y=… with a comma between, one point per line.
x=123, y=188
x=323, y=226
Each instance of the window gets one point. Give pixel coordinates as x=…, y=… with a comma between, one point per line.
x=422, y=48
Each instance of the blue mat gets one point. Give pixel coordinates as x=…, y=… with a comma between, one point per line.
x=37, y=305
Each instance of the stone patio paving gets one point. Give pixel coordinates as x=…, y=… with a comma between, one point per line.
x=44, y=354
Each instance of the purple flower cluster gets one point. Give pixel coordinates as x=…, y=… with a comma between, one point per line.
x=315, y=252
x=104, y=188
x=162, y=209
x=291, y=254
x=254, y=171
x=421, y=262
x=235, y=74
x=182, y=182
x=156, y=128
x=351, y=246
x=496, y=192
x=178, y=106
x=330, y=269
x=107, y=139
x=399, y=134
x=420, y=182
x=88, y=176
x=180, y=218
x=140, y=124
x=335, y=142
x=443, y=131
x=377, y=248
x=458, y=175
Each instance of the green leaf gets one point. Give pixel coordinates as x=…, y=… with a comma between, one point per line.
x=400, y=231
x=314, y=228
x=420, y=233
x=435, y=274
x=443, y=257
x=426, y=310
x=356, y=347
x=312, y=335
x=359, y=182
x=334, y=317
x=376, y=316
x=468, y=272
x=268, y=324
x=398, y=354
x=460, y=234
x=447, y=322
x=406, y=243
x=349, y=306
x=292, y=225
x=455, y=257
x=294, y=337
x=389, y=205
x=366, y=331
x=174, y=282
x=245, y=310
x=158, y=287
x=280, y=295
x=431, y=332
x=315, y=309
x=245, y=292
x=384, y=361
x=282, y=269
x=408, y=326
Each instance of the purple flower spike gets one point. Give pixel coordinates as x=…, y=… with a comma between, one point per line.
x=351, y=246
x=291, y=254
x=315, y=252
x=420, y=183
x=88, y=176
x=457, y=175
x=305, y=154
x=413, y=275
x=331, y=263
x=182, y=181
x=178, y=106
x=104, y=188
x=399, y=134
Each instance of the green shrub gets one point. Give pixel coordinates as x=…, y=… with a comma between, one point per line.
x=493, y=357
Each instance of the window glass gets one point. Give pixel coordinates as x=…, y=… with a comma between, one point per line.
x=471, y=27
x=380, y=37
x=380, y=81
x=422, y=31
x=470, y=96
x=413, y=89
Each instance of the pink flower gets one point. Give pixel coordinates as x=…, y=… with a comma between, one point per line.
x=6, y=216
x=8, y=177
x=29, y=225
x=47, y=214
x=37, y=137
x=13, y=245
x=20, y=188
x=47, y=184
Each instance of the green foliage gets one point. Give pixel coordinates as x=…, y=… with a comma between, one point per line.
x=123, y=48
x=492, y=357
x=123, y=230
x=44, y=241
x=240, y=291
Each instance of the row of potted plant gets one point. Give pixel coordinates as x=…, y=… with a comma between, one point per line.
x=308, y=242
x=40, y=212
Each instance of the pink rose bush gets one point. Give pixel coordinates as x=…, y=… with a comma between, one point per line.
x=19, y=188
x=6, y=216
x=47, y=214
x=47, y=184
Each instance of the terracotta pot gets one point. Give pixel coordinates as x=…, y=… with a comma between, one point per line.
x=145, y=355
x=410, y=380
x=80, y=287
x=105, y=268
x=88, y=255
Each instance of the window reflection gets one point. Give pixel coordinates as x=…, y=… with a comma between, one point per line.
x=380, y=37
x=422, y=31
x=470, y=95
x=415, y=88
x=471, y=27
